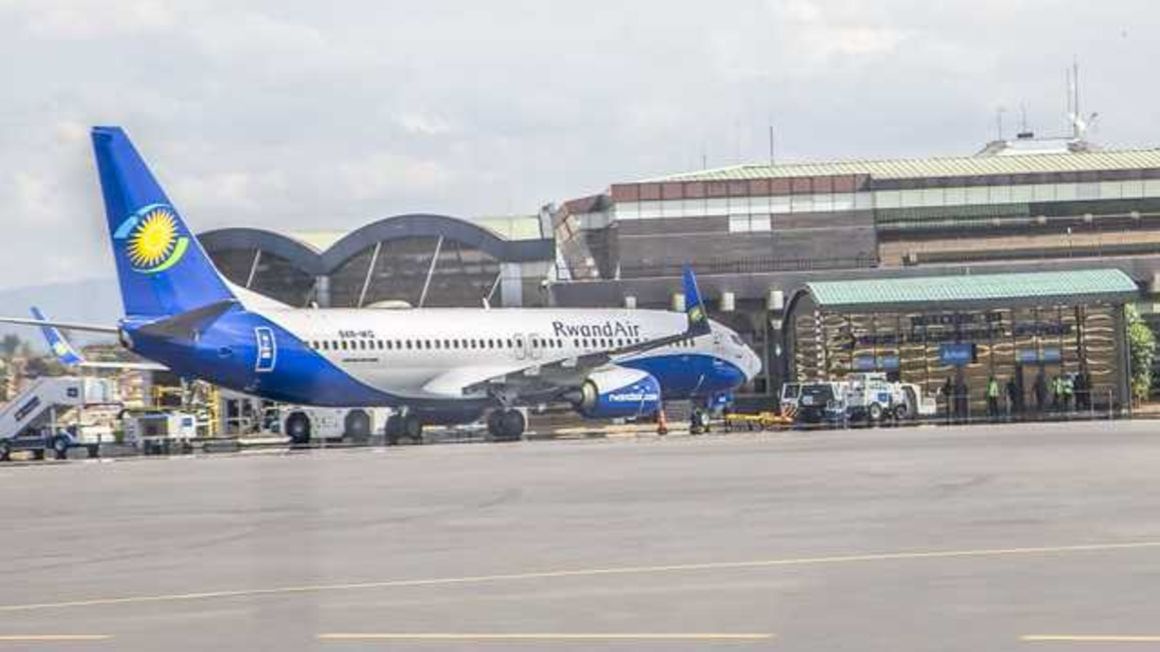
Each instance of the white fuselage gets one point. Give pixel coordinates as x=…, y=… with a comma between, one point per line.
x=431, y=353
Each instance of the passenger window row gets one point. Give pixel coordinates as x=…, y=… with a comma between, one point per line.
x=595, y=343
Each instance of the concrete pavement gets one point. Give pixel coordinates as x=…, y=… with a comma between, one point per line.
x=900, y=539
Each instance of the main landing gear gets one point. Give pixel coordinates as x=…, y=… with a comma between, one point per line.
x=699, y=421
x=506, y=425
x=403, y=426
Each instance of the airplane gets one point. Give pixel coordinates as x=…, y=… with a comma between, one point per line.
x=433, y=365
x=69, y=356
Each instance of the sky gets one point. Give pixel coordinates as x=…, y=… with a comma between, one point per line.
x=305, y=115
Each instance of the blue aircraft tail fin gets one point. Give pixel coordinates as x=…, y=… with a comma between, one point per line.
x=694, y=305
x=162, y=268
x=60, y=347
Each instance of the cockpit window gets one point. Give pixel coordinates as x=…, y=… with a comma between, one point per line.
x=736, y=339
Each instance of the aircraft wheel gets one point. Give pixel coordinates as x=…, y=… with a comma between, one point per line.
x=298, y=429
x=699, y=422
x=393, y=429
x=5, y=451
x=512, y=424
x=495, y=424
x=413, y=428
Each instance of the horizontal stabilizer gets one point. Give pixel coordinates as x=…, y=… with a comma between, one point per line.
x=188, y=324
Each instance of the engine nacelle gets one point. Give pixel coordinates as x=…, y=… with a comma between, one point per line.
x=618, y=392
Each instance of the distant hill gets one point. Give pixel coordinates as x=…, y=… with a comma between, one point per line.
x=96, y=301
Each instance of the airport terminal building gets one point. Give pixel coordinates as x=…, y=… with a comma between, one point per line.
x=413, y=260
x=758, y=235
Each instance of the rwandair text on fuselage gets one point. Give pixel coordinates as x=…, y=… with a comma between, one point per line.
x=618, y=328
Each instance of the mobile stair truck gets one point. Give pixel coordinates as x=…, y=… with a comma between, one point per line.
x=49, y=415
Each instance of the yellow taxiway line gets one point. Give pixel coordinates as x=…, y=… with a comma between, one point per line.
x=546, y=636
x=1089, y=638
x=591, y=572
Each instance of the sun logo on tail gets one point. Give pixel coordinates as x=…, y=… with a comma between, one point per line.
x=153, y=244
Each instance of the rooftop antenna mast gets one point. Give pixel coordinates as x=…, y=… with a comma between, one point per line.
x=771, y=159
x=1079, y=124
x=1076, y=122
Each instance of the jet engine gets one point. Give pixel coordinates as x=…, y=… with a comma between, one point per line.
x=615, y=392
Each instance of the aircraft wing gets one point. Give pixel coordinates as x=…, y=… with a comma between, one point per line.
x=553, y=375
x=66, y=325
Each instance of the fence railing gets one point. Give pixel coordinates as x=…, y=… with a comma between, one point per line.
x=749, y=266
x=968, y=409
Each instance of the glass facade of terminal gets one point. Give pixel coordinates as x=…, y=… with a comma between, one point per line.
x=928, y=347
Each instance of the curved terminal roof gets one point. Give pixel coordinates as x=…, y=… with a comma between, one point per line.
x=322, y=253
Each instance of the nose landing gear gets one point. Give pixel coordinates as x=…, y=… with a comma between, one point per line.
x=699, y=421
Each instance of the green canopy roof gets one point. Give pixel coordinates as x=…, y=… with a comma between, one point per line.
x=1036, y=287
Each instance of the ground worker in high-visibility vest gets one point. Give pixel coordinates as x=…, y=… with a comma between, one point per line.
x=993, y=398
x=1057, y=393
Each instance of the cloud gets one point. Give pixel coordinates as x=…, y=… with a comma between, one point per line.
x=424, y=124
x=66, y=19
x=295, y=115
x=380, y=175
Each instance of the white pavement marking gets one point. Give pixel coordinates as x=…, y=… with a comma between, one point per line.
x=546, y=636
x=592, y=572
x=52, y=638
x=1089, y=638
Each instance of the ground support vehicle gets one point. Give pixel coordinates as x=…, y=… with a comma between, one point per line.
x=758, y=421
x=822, y=402
x=160, y=432
x=38, y=419
x=354, y=425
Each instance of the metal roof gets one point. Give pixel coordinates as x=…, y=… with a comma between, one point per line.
x=962, y=166
x=1035, y=287
x=508, y=227
x=324, y=252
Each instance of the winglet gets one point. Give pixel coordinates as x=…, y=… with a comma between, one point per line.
x=694, y=305
x=57, y=342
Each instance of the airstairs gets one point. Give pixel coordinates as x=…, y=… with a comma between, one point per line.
x=46, y=400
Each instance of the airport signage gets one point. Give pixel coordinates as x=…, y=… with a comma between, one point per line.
x=1048, y=354
x=956, y=327
x=876, y=363
x=956, y=354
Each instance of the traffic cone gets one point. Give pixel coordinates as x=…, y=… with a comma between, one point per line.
x=662, y=423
